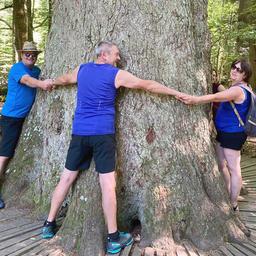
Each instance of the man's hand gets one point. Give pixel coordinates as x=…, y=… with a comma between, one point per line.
x=46, y=85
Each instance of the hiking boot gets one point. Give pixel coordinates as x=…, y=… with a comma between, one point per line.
x=49, y=230
x=115, y=246
x=235, y=208
x=2, y=204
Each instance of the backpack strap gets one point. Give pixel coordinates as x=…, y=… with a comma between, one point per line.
x=237, y=114
x=247, y=88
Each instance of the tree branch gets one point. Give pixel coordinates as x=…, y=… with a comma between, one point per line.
x=5, y=28
x=42, y=23
x=6, y=23
x=6, y=7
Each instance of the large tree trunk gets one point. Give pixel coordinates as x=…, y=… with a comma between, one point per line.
x=167, y=174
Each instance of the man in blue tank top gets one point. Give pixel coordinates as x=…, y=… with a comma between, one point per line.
x=93, y=133
x=22, y=85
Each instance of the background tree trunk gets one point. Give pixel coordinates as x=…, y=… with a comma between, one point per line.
x=50, y=14
x=30, y=14
x=19, y=23
x=252, y=57
x=167, y=174
x=246, y=16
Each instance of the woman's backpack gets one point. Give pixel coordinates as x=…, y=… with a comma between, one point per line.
x=250, y=122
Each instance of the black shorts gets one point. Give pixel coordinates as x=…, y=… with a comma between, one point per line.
x=82, y=148
x=234, y=140
x=11, y=128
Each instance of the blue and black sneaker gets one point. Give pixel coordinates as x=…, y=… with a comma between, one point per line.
x=2, y=204
x=49, y=230
x=115, y=246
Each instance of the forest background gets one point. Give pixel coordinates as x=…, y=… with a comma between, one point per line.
x=232, y=25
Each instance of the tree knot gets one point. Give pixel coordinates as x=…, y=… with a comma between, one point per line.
x=151, y=135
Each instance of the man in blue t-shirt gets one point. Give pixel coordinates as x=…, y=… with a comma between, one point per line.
x=22, y=85
x=93, y=134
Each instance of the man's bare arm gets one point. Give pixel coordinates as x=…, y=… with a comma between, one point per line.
x=126, y=79
x=67, y=79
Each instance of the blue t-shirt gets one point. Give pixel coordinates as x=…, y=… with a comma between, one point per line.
x=226, y=119
x=96, y=93
x=20, y=97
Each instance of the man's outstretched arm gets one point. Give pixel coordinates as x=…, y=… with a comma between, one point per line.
x=126, y=79
x=66, y=79
x=36, y=83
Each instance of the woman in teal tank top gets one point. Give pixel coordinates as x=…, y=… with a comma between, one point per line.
x=230, y=134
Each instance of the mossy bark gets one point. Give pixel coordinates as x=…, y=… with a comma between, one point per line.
x=167, y=173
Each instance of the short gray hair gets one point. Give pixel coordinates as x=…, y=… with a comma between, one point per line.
x=103, y=46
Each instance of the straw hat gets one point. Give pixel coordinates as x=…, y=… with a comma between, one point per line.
x=29, y=47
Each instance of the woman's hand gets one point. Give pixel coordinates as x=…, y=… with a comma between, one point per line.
x=188, y=99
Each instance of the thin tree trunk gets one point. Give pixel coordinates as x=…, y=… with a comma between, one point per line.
x=252, y=57
x=246, y=16
x=19, y=23
x=30, y=13
x=50, y=15
x=168, y=178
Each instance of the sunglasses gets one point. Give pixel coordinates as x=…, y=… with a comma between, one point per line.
x=239, y=70
x=33, y=55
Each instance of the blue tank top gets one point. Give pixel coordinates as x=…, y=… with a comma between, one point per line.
x=96, y=93
x=226, y=119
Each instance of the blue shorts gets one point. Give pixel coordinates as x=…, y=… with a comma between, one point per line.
x=102, y=148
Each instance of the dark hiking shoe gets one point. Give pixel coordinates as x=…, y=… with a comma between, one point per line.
x=116, y=246
x=235, y=208
x=2, y=204
x=49, y=230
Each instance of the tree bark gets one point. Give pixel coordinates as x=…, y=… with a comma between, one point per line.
x=167, y=174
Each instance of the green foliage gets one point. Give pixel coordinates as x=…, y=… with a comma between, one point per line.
x=231, y=35
x=6, y=49
x=3, y=92
x=223, y=23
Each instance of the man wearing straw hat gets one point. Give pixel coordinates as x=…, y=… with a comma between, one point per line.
x=22, y=86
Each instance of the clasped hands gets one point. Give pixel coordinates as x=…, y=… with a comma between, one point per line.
x=187, y=99
x=47, y=84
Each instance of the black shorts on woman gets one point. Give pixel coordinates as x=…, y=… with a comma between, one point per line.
x=232, y=140
x=102, y=148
